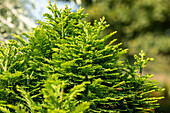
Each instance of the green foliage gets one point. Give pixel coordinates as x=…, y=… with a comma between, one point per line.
x=66, y=67
x=142, y=24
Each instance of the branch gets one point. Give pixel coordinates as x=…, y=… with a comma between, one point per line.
x=22, y=18
x=10, y=7
x=9, y=24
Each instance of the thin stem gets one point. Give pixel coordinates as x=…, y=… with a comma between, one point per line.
x=61, y=98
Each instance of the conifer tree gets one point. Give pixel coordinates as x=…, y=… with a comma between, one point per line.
x=66, y=67
x=136, y=21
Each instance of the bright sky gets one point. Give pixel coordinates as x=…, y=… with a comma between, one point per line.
x=41, y=7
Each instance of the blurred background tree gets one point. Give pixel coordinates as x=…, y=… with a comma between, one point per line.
x=141, y=25
x=15, y=17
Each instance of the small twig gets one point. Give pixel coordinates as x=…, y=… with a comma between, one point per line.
x=61, y=98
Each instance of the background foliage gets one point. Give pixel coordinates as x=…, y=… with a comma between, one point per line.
x=14, y=18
